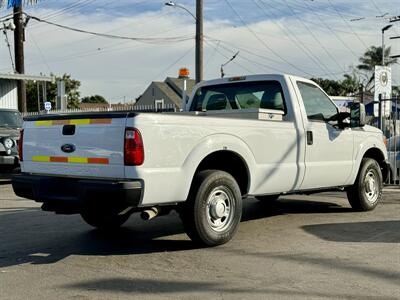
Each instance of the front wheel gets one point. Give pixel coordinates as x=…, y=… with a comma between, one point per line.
x=212, y=212
x=366, y=192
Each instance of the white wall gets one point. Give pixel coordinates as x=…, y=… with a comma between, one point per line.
x=8, y=94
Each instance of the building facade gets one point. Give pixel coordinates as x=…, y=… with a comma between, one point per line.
x=8, y=88
x=167, y=93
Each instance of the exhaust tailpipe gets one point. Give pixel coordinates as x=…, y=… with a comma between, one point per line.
x=149, y=214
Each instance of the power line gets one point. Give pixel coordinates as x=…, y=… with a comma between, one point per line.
x=9, y=49
x=246, y=50
x=229, y=57
x=212, y=55
x=40, y=51
x=256, y=63
x=169, y=66
x=331, y=30
x=347, y=24
x=141, y=39
x=262, y=42
x=314, y=37
x=296, y=41
x=76, y=5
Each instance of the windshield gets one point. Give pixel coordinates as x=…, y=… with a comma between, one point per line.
x=10, y=119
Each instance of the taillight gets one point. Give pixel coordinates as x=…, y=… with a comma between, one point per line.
x=133, y=150
x=20, y=142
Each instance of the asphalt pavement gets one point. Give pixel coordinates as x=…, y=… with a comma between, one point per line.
x=300, y=247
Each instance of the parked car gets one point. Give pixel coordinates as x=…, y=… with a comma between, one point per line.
x=10, y=126
x=261, y=135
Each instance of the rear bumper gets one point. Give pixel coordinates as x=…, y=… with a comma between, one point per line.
x=8, y=160
x=71, y=195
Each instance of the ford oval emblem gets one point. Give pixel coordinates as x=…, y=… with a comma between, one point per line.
x=68, y=148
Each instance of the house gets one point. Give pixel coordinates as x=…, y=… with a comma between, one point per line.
x=167, y=93
x=8, y=88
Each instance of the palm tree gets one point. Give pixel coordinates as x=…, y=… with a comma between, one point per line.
x=371, y=58
x=16, y=3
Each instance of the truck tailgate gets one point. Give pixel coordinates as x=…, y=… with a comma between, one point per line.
x=76, y=145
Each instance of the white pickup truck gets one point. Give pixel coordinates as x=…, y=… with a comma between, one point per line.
x=261, y=136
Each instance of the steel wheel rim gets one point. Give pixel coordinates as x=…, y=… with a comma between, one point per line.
x=220, y=208
x=371, y=186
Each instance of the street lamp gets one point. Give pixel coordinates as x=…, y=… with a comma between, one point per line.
x=173, y=4
x=383, y=43
x=199, y=34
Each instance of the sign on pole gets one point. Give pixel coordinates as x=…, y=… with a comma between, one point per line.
x=47, y=106
x=383, y=87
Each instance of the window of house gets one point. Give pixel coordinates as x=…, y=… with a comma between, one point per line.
x=318, y=106
x=159, y=104
x=240, y=95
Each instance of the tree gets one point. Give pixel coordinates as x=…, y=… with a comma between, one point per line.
x=371, y=58
x=71, y=91
x=94, y=99
x=330, y=86
x=350, y=85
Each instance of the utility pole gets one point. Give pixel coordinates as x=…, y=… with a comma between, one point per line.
x=199, y=40
x=19, y=37
x=383, y=43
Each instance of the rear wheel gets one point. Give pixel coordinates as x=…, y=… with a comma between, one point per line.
x=212, y=213
x=104, y=220
x=366, y=192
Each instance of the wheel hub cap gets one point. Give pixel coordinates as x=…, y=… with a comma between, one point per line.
x=220, y=209
x=371, y=187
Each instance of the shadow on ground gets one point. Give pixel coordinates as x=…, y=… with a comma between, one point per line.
x=43, y=238
x=140, y=286
x=365, y=232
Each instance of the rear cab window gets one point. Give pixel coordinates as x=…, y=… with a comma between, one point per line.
x=317, y=104
x=240, y=95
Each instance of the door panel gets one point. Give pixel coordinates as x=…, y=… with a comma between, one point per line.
x=329, y=160
x=329, y=155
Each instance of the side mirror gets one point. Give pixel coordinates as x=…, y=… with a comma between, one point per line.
x=357, y=115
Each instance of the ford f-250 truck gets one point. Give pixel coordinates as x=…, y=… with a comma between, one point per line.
x=260, y=135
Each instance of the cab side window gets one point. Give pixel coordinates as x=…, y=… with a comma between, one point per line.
x=318, y=106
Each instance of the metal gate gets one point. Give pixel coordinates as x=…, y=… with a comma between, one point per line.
x=388, y=121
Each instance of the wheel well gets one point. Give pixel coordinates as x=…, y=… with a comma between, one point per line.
x=377, y=155
x=229, y=162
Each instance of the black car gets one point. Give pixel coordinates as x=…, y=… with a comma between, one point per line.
x=10, y=125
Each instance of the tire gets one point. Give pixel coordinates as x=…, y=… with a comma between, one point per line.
x=104, y=220
x=366, y=192
x=267, y=198
x=213, y=210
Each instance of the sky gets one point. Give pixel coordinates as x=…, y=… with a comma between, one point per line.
x=309, y=38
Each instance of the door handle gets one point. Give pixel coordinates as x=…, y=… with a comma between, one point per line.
x=310, y=138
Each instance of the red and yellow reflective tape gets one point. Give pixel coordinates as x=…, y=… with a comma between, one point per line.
x=73, y=122
x=72, y=160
